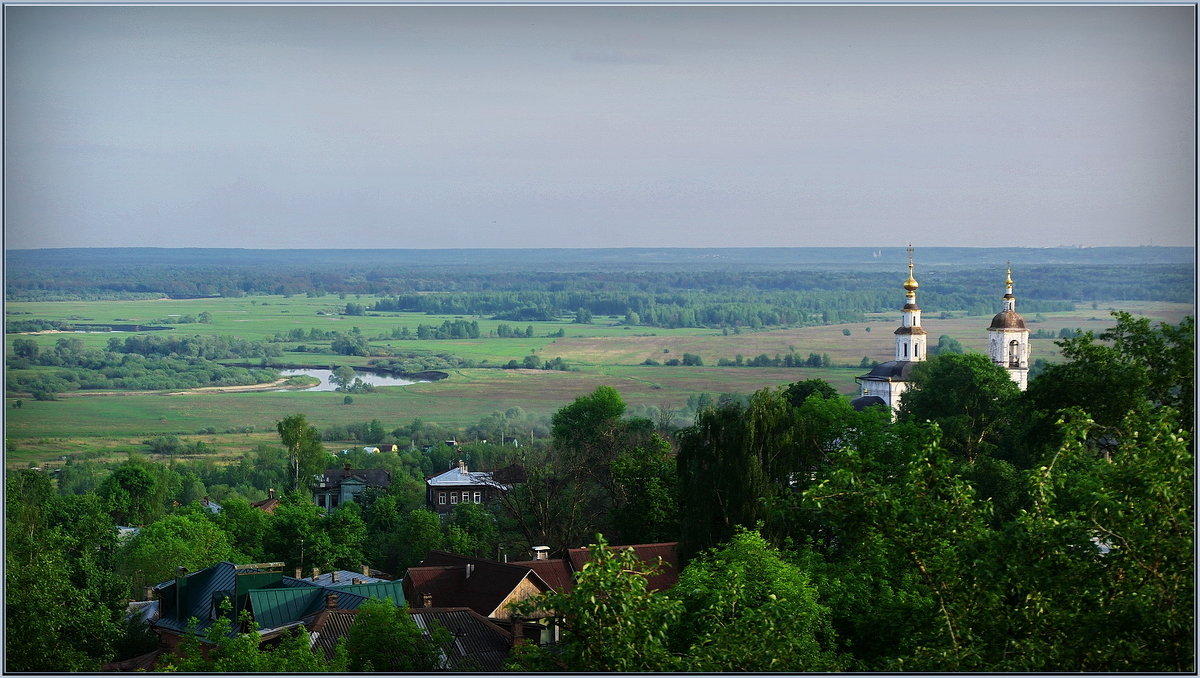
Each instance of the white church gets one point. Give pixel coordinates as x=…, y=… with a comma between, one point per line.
x=1008, y=347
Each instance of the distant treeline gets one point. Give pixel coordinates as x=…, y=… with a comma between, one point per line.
x=142, y=362
x=697, y=297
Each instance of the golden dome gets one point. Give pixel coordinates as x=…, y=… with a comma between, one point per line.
x=911, y=283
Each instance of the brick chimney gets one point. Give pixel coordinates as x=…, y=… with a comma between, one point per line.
x=366, y=571
x=356, y=581
x=518, y=630
x=541, y=552
x=316, y=573
x=331, y=601
x=462, y=466
x=180, y=573
x=299, y=573
x=334, y=576
x=426, y=600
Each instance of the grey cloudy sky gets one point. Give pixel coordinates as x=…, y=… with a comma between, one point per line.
x=586, y=126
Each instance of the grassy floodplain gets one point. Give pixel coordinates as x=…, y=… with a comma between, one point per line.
x=602, y=353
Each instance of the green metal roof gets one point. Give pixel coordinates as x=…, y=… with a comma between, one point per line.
x=278, y=607
x=388, y=590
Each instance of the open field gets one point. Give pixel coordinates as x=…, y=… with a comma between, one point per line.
x=605, y=354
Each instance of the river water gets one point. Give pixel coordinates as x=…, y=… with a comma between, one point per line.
x=367, y=377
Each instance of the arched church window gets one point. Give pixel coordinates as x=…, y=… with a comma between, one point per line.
x=1014, y=353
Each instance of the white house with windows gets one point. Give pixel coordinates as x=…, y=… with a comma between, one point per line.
x=459, y=486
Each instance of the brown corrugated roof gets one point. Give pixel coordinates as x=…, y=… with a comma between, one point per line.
x=142, y=662
x=443, y=575
x=556, y=572
x=476, y=644
x=266, y=505
x=668, y=573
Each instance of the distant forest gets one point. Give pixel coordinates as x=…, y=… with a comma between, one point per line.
x=656, y=287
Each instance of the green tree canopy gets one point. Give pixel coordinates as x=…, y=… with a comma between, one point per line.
x=968, y=396
x=384, y=638
x=649, y=485
x=747, y=608
x=611, y=622
x=306, y=455
x=179, y=540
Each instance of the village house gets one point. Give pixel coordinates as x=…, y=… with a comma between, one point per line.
x=337, y=486
x=489, y=587
x=458, y=485
x=445, y=579
x=267, y=505
x=559, y=572
x=275, y=601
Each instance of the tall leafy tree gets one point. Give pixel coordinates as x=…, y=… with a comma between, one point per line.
x=648, y=481
x=1106, y=552
x=1168, y=352
x=747, y=608
x=306, y=455
x=800, y=391
x=969, y=397
x=721, y=478
x=130, y=491
x=384, y=638
x=347, y=535
x=181, y=540
x=420, y=533
x=472, y=530
x=610, y=621
x=245, y=525
x=296, y=534
x=62, y=604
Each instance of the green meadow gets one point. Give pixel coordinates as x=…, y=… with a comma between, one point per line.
x=601, y=353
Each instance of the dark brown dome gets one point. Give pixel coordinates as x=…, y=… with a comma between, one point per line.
x=1007, y=320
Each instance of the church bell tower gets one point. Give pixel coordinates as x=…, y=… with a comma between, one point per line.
x=1008, y=338
x=910, y=336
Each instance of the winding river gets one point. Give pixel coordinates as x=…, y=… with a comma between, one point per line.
x=367, y=377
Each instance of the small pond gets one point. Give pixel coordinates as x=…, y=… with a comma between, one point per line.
x=367, y=377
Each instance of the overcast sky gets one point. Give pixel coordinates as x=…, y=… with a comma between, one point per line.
x=585, y=126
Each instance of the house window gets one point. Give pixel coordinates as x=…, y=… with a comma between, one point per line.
x=478, y=497
x=453, y=497
x=441, y=497
x=906, y=350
